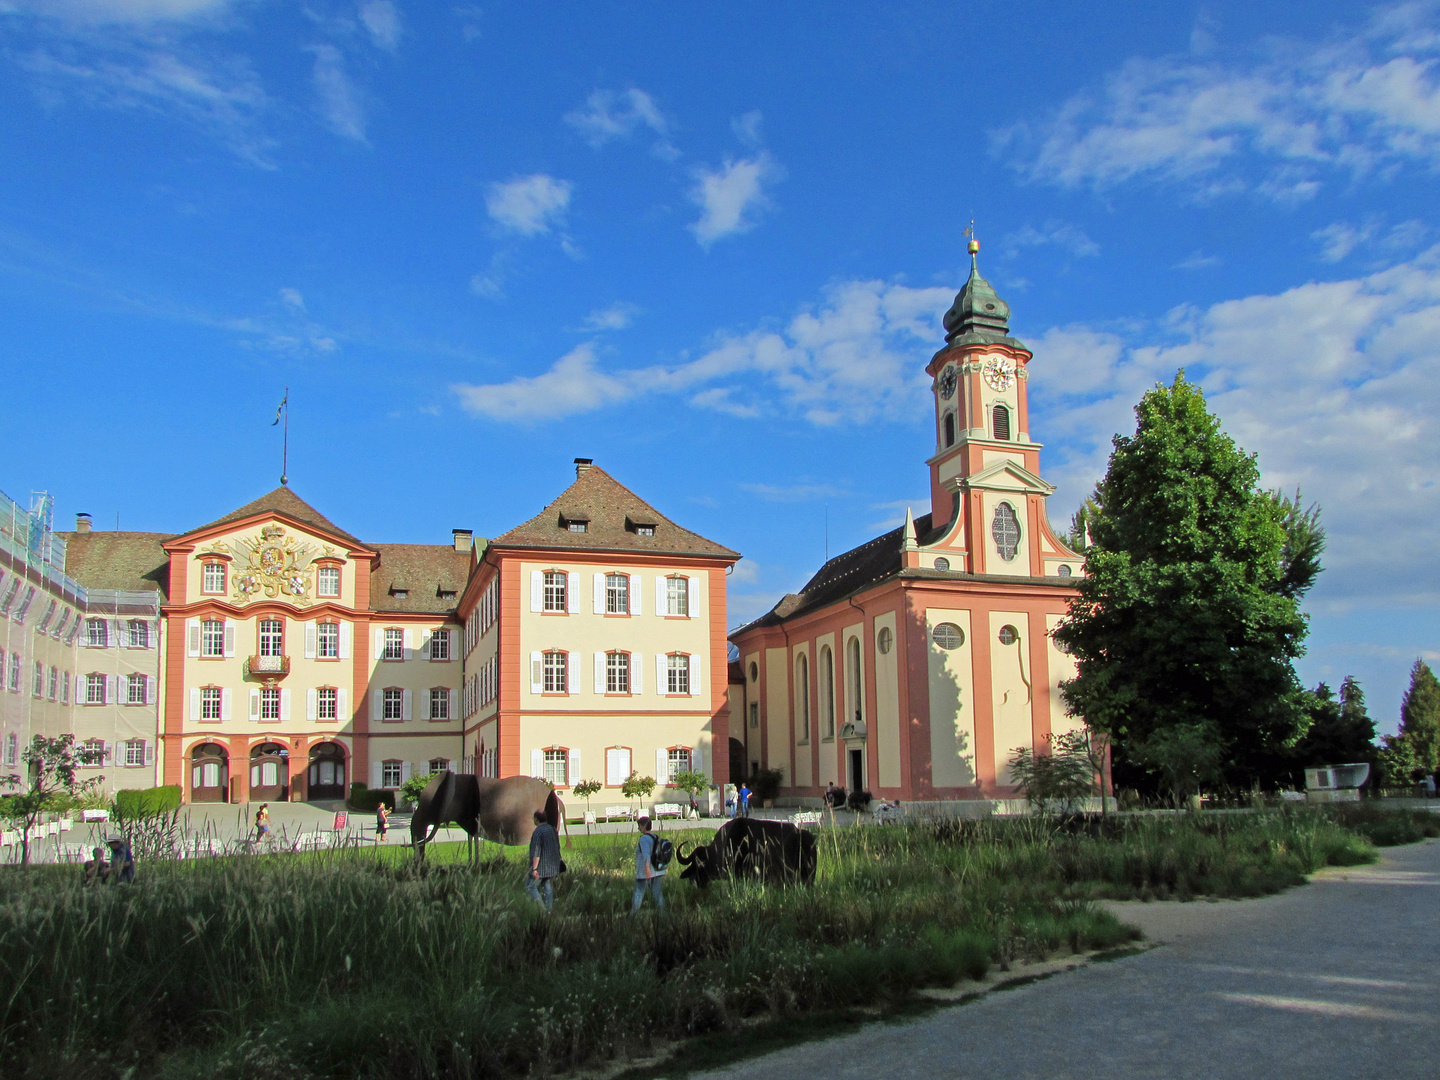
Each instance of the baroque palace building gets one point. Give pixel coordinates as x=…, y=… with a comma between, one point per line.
x=912, y=666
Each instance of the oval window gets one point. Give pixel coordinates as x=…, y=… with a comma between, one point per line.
x=754, y=671
x=948, y=636
x=1008, y=635
x=942, y=563
x=1005, y=528
x=884, y=640
x=1064, y=571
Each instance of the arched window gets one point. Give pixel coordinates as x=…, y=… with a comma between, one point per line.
x=852, y=678
x=827, y=691
x=949, y=429
x=1001, y=422
x=1005, y=528
x=802, y=696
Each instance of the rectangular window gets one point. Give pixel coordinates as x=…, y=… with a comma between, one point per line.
x=90, y=752
x=94, y=689
x=754, y=714
x=390, y=774
x=49, y=614
x=644, y=530
x=210, y=703
x=394, y=644
x=677, y=674
x=269, y=704
x=139, y=634
x=327, y=641
x=135, y=691
x=677, y=596
x=212, y=638
x=12, y=750
x=393, y=702
x=25, y=604
x=617, y=673
x=439, y=703
x=64, y=684
x=679, y=761
x=53, y=691
x=64, y=622
x=557, y=767
x=555, y=668
x=95, y=635
x=15, y=673
x=575, y=526
x=327, y=581
x=272, y=637
x=617, y=766
x=327, y=703
x=212, y=578
x=439, y=765
x=555, y=590
x=617, y=594
x=440, y=645
x=10, y=592
x=134, y=753
x=37, y=687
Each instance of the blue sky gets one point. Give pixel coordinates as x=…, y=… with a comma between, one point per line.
x=709, y=248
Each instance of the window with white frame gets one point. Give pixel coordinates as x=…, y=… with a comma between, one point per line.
x=678, y=761
x=439, y=703
x=212, y=638
x=390, y=772
x=10, y=592
x=617, y=673
x=139, y=633
x=19, y=615
x=677, y=596
x=327, y=703
x=555, y=673
x=269, y=704
x=392, y=704
x=134, y=753
x=12, y=750
x=555, y=581
x=440, y=645
x=49, y=614
x=135, y=689
x=617, y=594
x=94, y=689
x=394, y=644
x=95, y=635
x=557, y=767
x=272, y=637
x=439, y=765
x=91, y=752
x=210, y=697
x=64, y=685
x=327, y=581
x=677, y=674
x=37, y=686
x=212, y=577
x=15, y=673
x=327, y=641
x=52, y=688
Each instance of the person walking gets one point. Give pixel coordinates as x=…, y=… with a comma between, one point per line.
x=742, y=800
x=382, y=822
x=262, y=822
x=648, y=877
x=545, y=864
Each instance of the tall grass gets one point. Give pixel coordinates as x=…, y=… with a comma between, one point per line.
x=358, y=964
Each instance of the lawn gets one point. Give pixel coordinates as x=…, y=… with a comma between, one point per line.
x=356, y=963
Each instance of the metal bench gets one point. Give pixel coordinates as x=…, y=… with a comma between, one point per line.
x=669, y=809
x=625, y=813
x=806, y=817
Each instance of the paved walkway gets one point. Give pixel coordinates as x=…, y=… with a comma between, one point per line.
x=1337, y=979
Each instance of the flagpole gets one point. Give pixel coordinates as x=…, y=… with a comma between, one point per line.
x=285, y=444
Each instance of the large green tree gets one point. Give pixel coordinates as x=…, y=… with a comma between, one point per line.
x=1341, y=731
x=1188, y=617
x=1420, y=717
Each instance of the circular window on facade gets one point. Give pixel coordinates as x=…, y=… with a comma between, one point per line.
x=1064, y=571
x=948, y=636
x=754, y=671
x=942, y=563
x=884, y=640
x=1008, y=635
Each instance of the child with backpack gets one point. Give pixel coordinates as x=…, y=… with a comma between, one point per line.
x=652, y=855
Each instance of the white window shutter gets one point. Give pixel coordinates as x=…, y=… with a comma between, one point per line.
x=600, y=594
x=194, y=704
x=109, y=634
x=112, y=689
x=660, y=595
x=693, y=584
x=575, y=776
x=229, y=638
x=697, y=759
x=662, y=681
x=537, y=673
x=192, y=631
x=572, y=593
x=377, y=774
x=454, y=703
x=694, y=675
x=377, y=705
x=379, y=643
x=149, y=752
x=537, y=764
x=572, y=673
x=599, y=673
x=662, y=767
x=424, y=704
x=425, y=637
x=537, y=590
x=407, y=639
x=226, y=696
x=310, y=641
x=254, y=704
x=284, y=705
x=342, y=705
x=149, y=689
x=637, y=673
x=406, y=697
x=345, y=632
x=406, y=771
x=312, y=704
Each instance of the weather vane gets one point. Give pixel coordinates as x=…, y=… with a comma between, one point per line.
x=974, y=245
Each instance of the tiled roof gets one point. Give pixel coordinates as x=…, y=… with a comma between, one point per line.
x=131, y=561
x=610, y=512
x=423, y=572
x=283, y=501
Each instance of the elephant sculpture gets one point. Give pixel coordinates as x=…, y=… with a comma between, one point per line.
x=502, y=810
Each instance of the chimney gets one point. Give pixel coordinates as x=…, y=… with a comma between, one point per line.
x=583, y=465
x=82, y=523
x=464, y=539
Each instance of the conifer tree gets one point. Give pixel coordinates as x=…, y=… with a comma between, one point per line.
x=1420, y=717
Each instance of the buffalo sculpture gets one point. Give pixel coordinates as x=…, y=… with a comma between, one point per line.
x=502, y=810
x=771, y=852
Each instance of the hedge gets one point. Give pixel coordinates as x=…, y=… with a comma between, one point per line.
x=363, y=799
x=144, y=801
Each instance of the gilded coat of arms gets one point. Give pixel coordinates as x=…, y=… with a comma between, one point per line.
x=274, y=564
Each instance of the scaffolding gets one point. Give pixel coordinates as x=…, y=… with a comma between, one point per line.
x=28, y=537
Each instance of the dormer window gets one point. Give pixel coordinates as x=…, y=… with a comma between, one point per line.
x=640, y=528
x=576, y=526
x=574, y=521
x=446, y=594
x=399, y=592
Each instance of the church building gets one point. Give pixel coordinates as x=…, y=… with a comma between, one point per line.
x=914, y=665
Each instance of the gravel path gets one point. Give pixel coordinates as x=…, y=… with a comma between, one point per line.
x=1337, y=979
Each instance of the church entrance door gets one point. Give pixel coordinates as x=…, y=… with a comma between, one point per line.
x=857, y=769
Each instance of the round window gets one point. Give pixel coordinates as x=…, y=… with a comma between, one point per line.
x=948, y=636
x=754, y=671
x=884, y=639
x=1064, y=571
x=942, y=563
x=1008, y=635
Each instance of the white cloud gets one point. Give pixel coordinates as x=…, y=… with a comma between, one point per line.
x=293, y=300
x=1197, y=260
x=339, y=100
x=607, y=115
x=791, y=493
x=747, y=127
x=529, y=205
x=1055, y=233
x=1275, y=126
x=118, y=11
x=731, y=197
x=382, y=20
x=893, y=513
x=1340, y=239
x=573, y=385
x=615, y=317
x=745, y=572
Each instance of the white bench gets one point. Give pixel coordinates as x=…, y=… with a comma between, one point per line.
x=95, y=815
x=623, y=812
x=806, y=817
x=885, y=812
x=669, y=809
x=311, y=841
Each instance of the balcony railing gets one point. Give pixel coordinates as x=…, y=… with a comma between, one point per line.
x=269, y=667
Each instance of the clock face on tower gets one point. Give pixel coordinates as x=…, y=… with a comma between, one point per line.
x=947, y=382
x=999, y=372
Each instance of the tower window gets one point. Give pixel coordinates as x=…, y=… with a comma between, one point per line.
x=949, y=429
x=1002, y=422
x=1005, y=528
